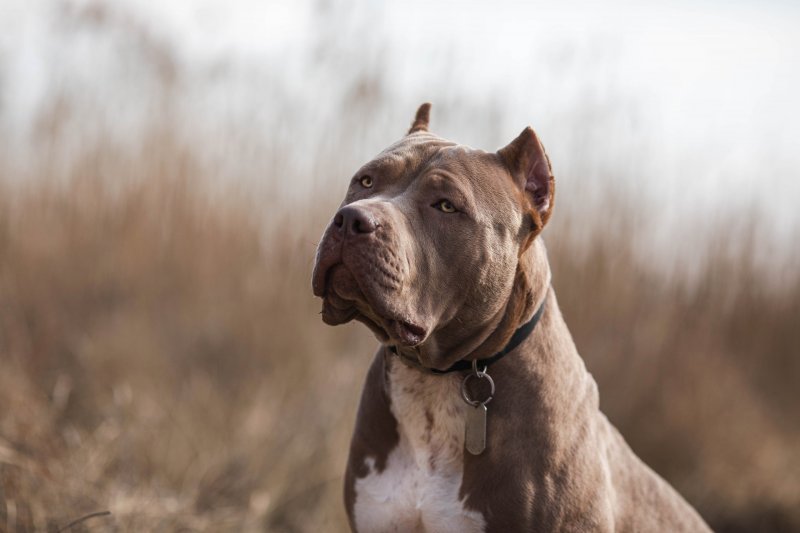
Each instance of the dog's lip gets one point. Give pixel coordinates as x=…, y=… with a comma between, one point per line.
x=406, y=333
x=389, y=330
x=335, y=313
x=374, y=325
x=392, y=330
x=319, y=282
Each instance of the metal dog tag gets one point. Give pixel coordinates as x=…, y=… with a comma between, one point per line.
x=475, y=424
x=475, y=437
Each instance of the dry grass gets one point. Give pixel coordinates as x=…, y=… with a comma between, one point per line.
x=162, y=359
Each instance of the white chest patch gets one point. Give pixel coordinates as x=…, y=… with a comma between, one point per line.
x=419, y=488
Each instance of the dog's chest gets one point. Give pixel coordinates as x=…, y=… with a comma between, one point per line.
x=418, y=490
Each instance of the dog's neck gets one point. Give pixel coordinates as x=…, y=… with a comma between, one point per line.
x=530, y=289
x=544, y=394
x=460, y=341
x=545, y=371
x=547, y=365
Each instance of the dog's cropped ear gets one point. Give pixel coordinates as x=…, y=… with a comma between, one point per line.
x=421, y=120
x=530, y=167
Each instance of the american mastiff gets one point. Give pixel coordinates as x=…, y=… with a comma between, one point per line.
x=477, y=413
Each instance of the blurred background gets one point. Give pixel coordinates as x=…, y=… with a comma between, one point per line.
x=166, y=169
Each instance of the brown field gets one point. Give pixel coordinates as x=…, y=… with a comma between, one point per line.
x=161, y=356
x=162, y=359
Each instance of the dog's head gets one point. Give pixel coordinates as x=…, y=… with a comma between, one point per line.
x=428, y=246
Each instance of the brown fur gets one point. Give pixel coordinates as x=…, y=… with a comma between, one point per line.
x=449, y=286
x=421, y=119
x=377, y=428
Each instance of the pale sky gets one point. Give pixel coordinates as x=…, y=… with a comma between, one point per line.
x=711, y=85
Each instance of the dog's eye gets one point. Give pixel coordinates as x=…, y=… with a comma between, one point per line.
x=366, y=182
x=445, y=206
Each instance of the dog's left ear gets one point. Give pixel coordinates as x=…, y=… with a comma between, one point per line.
x=530, y=167
x=421, y=120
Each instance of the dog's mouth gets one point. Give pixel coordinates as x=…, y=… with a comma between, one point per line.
x=392, y=331
x=407, y=333
x=343, y=300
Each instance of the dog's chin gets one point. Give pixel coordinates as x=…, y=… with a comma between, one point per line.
x=345, y=300
x=389, y=331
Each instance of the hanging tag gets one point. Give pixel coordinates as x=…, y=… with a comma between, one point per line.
x=475, y=424
x=475, y=430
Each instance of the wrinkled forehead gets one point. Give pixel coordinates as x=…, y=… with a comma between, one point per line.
x=424, y=154
x=411, y=153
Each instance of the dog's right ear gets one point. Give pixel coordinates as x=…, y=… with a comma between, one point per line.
x=421, y=120
x=530, y=168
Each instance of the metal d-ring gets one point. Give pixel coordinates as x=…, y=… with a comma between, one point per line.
x=480, y=374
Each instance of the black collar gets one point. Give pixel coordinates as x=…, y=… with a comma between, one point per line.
x=520, y=335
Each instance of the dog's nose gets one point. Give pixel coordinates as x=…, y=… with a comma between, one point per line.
x=353, y=221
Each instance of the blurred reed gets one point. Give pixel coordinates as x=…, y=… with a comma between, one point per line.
x=162, y=357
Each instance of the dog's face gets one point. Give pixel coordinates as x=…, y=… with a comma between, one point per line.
x=425, y=246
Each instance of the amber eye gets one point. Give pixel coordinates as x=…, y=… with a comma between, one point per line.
x=445, y=206
x=366, y=182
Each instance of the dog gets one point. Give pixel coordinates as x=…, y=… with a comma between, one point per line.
x=477, y=413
